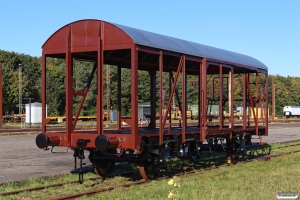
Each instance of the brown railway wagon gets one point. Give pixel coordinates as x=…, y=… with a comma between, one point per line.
x=100, y=43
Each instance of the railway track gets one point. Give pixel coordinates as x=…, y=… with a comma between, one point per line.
x=139, y=182
x=59, y=184
x=98, y=191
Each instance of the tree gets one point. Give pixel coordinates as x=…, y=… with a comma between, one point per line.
x=55, y=89
x=10, y=62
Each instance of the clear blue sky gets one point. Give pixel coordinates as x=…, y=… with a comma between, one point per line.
x=267, y=30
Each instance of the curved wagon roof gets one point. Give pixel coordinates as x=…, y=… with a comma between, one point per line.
x=158, y=41
x=153, y=40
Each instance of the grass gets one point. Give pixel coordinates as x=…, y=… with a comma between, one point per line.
x=254, y=180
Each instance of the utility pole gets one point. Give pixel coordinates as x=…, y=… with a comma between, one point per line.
x=20, y=92
x=273, y=100
x=29, y=110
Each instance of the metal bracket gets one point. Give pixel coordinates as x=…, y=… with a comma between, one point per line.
x=81, y=157
x=59, y=151
x=81, y=143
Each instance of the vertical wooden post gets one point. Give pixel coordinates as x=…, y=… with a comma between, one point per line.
x=100, y=64
x=69, y=91
x=161, y=113
x=203, y=114
x=245, y=111
x=230, y=98
x=183, y=112
x=257, y=97
x=221, y=96
x=199, y=95
x=119, y=99
x=134, y=94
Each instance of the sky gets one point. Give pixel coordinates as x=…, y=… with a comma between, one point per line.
x=268, y=30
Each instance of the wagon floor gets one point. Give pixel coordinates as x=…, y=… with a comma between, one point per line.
x=179, y=130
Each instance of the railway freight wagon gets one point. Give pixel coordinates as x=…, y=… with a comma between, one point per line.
x=291, y=111
x=95, y=43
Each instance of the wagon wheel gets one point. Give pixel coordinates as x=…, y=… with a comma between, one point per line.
x=103, y=168
x=194, y=152
x=149, y=168
x=236, y=149
x=232, y=157
x=235, y=158
x=149, y=171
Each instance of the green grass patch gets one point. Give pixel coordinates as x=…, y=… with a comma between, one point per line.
x=255, y=180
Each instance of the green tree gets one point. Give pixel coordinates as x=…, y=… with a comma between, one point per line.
x=81, y=73
x=55, y=90
x=10, y=62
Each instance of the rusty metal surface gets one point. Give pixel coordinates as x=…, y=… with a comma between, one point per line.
x=144, y=38
x=134, y=96
x=202, y=98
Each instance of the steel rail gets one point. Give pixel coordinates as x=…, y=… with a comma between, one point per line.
x=58, y=184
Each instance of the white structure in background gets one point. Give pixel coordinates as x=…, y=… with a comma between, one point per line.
x=291, y=111
x=36, y=112
x=144, y=111
x=240, y=110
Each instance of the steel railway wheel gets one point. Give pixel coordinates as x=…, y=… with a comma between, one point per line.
x=103, y=168
x=149, y=170
x=150, y=164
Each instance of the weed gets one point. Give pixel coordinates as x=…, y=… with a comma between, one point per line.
x=174, y=192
